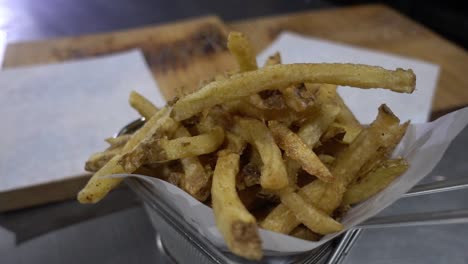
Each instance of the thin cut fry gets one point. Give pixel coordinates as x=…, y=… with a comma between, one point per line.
x=235, y=223
x=273, y=60
x=309, y=215
x=240, y=47
x=183, y=147
x=349, y=121
x=298, y=97
x=99, y=159
x=303, y=232
x=280, y=76
x=98, y=186
x=119, y=141
x=195, y=180
x=297, y=150
x=375, y=181
x=273, y=172
x=142, y=105
x=385, y=152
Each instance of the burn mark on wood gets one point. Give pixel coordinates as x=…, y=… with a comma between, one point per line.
x=206, y=41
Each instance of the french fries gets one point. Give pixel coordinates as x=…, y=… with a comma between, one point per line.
x=273, y=172
x=298, y=150
x=275, y=146
x=273, y=59
x=374, y=181
x=99, y=185
x=310, y=216
x=142, y=105
x=242, y=50
x=195, y=180
x=182, y=147
x=328, y=196
x=235, y=223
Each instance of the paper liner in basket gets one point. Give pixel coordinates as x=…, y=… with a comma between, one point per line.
x=423, y=146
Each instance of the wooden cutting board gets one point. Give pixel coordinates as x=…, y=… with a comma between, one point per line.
x=184, y=53
x=180, y=54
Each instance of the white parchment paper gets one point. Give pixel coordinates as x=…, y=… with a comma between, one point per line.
x=423, y=146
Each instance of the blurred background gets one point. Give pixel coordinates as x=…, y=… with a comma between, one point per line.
x=32, y=19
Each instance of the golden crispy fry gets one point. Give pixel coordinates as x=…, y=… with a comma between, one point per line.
x=97, y=187
x=223, y=128
x=327, y=94
x=235, y=144
x=309, y=215
x=280, y=76
x=235, y=223
x=244, y=108
x=119, y=141
x=298, y=97
x=303, y=232
x=384, y=152
x=297, y=150
x=142, y=105
x=327, y=196
x=334, y=132
x=375, y=181
x=273, y=172
x=273, y=60
x=182, y=147
x=348, y=121
x=99, y=159
x=195, y=180
x=311, y=131
x=240, y=47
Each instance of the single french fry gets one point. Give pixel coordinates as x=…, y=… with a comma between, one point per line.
x=273, y=171
x=311, y=131
x=280, y=76
x=99, y=185
x=298, y=97
x=384, y=152
x=142, y=105
x=297, y=150
x=273, y=60
x=195, y=180
x=242, y=50
x=309, y=215
x=349, y=122
x=96, y=161
x=375, y=181
x=234, y=222
x=304, y=233
x=119, y=141
x=183, y=147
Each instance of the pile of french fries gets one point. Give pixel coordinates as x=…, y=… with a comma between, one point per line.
x=272, y=147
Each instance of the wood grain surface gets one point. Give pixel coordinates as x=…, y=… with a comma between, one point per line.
x=183, y=54
x=180, y=54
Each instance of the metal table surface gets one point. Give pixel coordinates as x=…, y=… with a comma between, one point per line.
x=55, y=233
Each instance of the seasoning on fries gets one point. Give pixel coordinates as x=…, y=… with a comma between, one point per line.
x=273, y=147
